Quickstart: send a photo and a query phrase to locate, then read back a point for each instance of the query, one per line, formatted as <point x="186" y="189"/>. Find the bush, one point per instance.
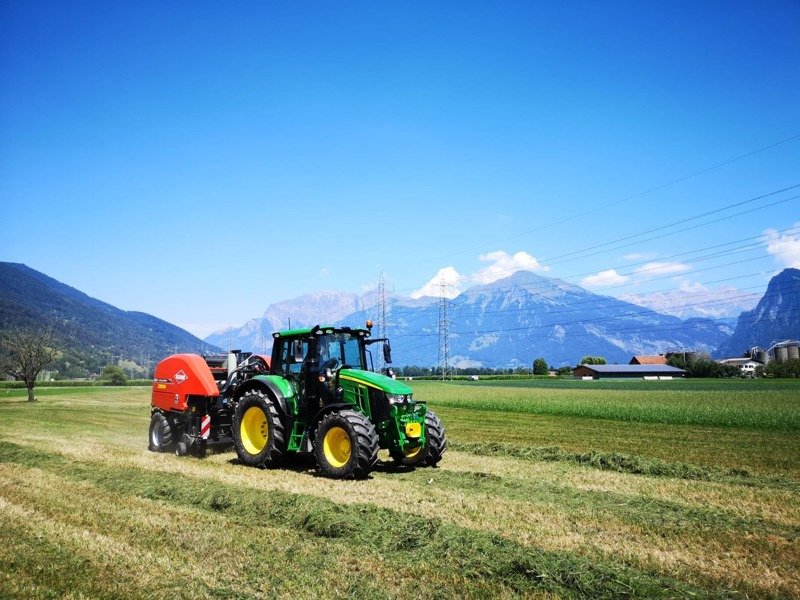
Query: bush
<point x="114" y="375"/>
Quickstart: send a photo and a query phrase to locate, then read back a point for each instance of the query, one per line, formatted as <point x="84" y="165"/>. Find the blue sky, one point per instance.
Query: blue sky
<point x="198" y="161"/>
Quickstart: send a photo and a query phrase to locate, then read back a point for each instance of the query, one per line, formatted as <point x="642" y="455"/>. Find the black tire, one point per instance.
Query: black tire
<point x="201" y="449"/>
<point x="162" y="433"/>
<point x="181" y="449"/>
<point x="346" y="445"/>
<point x="436" y="438"/>
<point x="435" y="445"/>
<point x="258" y="432"/>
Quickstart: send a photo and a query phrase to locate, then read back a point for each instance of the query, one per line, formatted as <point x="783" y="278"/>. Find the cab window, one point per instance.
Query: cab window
<point x="340" y="349"/>
<point x="287" y="364"/>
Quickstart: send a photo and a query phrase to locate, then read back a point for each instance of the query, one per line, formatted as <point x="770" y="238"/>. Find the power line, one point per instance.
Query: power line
<point x="534" y="288"/>
<point x="644" y="311"/>
<point x="591" y="251"/>
<point x="656" y="188"/>
<point x="635" y="329"/>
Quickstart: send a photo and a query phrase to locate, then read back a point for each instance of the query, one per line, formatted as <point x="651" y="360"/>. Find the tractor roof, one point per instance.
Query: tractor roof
<point x="320" y="329"/>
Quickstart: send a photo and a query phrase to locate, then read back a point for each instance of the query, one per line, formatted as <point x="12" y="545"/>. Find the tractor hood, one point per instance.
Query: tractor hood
<point x="376" y="380"/>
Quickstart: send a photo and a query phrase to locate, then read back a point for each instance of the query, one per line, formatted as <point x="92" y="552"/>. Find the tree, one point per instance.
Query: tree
<point x="790" y="368"/>
<point x="540" y="366"/>
<point x="593" y="360"/>
<point x="25" y="352"/>
<point x="114" y="375"/>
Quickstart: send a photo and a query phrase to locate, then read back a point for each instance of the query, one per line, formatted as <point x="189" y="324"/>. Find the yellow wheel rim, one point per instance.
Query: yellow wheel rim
<point x="336" y="446"/>
<point x="413" y="453"/>
<point x="254" y="430"/>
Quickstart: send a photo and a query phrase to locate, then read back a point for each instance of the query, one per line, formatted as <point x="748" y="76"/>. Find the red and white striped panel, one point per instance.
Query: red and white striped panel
<point x="205" y="427"/>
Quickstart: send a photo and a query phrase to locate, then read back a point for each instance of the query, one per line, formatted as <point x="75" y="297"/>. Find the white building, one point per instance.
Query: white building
<point x="746" y="365"/>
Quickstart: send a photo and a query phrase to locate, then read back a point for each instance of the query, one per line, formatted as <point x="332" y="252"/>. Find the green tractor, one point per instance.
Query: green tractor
<point x="321" y="396"/>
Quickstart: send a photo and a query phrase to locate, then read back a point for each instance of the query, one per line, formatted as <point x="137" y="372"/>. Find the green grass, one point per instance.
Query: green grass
<point x="689" y="422"/>
<point x="530" y="503"/>
<point x="406" y="541"/>
<point x="757" y="404"/>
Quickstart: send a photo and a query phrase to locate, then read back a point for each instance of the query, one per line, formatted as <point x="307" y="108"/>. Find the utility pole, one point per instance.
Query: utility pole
<point x="382" y="329"/>
<point x="444" y="333"/>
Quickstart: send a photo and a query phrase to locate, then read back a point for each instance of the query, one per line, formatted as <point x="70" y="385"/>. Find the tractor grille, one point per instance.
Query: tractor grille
<point x="378" y="405"/>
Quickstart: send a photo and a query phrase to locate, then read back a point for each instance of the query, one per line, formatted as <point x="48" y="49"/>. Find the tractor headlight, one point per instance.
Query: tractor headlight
<point x="397" y="398"/>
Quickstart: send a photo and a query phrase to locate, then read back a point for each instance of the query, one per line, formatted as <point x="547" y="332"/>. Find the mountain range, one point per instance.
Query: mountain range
<point x="775" y="318"/>
<point x="93" y="333"/>
<point x="507" y="323"/>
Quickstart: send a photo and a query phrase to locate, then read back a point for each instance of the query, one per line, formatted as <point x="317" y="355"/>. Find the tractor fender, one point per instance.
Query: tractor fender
<point x="311" y="427"/>
<point x="272" y="390"/>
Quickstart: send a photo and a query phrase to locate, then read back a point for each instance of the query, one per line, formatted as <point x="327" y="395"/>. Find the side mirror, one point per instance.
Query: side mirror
<point x="298" y="351"/>
<point x="387" y="353"/>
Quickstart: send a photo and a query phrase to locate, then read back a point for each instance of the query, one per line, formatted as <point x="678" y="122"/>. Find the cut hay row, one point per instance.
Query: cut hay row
<point x="86" y="510"/>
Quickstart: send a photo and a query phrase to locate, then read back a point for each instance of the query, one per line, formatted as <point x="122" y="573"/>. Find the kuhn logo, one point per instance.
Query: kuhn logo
<point x="180" y="377"/>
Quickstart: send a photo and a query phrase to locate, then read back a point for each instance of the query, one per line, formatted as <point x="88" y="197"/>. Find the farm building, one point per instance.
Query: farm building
<point x="746" y="365"/>
<point x="649" y="360"/>
<point x="627" y="371"/>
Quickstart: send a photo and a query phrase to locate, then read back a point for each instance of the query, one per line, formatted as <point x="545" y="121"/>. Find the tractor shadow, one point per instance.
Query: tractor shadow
<point x="298" y="463"/>
<point x="307" y="465"/>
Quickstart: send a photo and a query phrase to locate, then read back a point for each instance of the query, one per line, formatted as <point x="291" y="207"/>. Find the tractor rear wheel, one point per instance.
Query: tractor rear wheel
<point x="258" y="432"/>
<point x="346" y="445"/>
<point x="431" y="453"/>
<point x="162" y="433"/>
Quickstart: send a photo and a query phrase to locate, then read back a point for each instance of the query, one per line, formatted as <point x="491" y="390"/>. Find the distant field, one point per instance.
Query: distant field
<point x="747" y="424"/>
<point x="550" y="489"/>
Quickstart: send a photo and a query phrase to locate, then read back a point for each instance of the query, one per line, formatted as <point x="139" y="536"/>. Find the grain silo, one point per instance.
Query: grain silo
<point x="793" y="351"/>
<point x="781" y="354"/>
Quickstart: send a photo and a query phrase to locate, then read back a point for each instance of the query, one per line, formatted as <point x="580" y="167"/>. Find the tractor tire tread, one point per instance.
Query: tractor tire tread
<point x="164" y="435"/>
<point x="437" y="439"/>
<point x="365" y="445"/>
<point x="276" y="445"/>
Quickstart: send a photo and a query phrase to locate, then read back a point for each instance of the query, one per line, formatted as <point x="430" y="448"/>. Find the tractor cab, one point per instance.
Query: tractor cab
<point x="314" y="357"/>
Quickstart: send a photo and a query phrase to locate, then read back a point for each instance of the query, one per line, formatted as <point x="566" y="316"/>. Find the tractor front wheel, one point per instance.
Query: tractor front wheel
<point x="258" y="432"/>
<point x="431" y="453"/>
<point x="436" y="439"/>
<point x="162" y="433"/>
<point x="346" y="445"/>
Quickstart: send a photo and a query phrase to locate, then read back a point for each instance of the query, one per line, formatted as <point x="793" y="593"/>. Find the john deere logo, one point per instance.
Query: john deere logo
<point x="180" y="376"/>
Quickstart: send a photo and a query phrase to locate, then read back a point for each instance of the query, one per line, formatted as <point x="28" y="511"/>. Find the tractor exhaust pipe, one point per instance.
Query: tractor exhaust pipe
<point x="233" y="355"/>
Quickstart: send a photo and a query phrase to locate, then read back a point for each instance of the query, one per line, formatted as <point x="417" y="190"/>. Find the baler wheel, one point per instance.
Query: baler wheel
<point x="346" y="445"/>
<point x="258" y="432"/>
<point x="162" y="433"/>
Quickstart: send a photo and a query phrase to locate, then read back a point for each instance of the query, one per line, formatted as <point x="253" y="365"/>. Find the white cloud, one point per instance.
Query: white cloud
<point x="504" y="265"/>
<point x="785" y="249"/>
<point x="501" y="265"/>
<point x="447" y="276"/>
<point x="638" y="256"/>
<point x="606" y="278"/>
<point x="653" y="269"/>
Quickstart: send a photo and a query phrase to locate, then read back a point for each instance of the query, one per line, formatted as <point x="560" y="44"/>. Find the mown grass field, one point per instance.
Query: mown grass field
<point x="549" y="489"/>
